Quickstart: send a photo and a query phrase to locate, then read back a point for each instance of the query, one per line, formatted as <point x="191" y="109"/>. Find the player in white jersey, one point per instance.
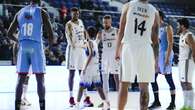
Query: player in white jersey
<point x="75" y="54"/>
<point x="186" y="62"/>
<point x="109" y="65"/>
<point x="138" y="32"/>
<point x="90" y="74"/>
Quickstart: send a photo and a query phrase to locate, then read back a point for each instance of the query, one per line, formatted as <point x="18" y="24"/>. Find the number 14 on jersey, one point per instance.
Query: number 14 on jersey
<point x="139" y="27"/>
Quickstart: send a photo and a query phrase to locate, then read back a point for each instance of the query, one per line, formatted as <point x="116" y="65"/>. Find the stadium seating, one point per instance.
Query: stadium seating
<point x="94" y="18"/>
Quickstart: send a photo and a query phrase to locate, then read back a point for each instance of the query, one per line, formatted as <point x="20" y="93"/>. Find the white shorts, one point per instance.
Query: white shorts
<point x="75" y="58"/>
<point x="109" y="64"/>
<point x="186" y="70"/>
<point x="138" y="60"/>
<point x="91" y="76"/>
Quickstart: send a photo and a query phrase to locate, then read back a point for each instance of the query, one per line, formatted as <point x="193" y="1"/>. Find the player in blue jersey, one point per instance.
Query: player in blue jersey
<point x="29" y="21"/>
<point x="164" y="60"/>
<point x="24" y="100"/>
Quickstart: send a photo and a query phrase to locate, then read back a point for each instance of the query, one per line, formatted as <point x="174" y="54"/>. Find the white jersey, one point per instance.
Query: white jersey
<point x="139" y="21"/>
<point x="109" y="64"/>
<point x="109" y="39"/>
<point x="184" y="50"/>
<point x="91" y="75"/>
<point x="78" y="36"/>
<point x="95" y="55"/>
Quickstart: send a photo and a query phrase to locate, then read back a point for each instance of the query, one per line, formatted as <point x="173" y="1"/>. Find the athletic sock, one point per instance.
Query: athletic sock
<point x="25" y="87"/>
<point x="42" y="104"/>
<point x="17" y="104"/>
<point x="173" y="98"/>
<point x="71" y="94"/>
<point x="85" y="93"/>
<point x="190" y="98"/>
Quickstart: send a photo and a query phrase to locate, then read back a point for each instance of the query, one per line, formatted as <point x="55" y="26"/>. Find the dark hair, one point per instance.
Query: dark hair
<point x="107" y="17"/>
<point x="74" y="9"/>
<point x="184" y="21"/>
<point x="92" y="31"/>
<point x="161" y="14"/>
<point x="36" y="1"/>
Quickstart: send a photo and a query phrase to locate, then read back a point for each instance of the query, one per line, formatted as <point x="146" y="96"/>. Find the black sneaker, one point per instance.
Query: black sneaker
<point x="17" y="104"/>
<point x="155" y="104"/>
<point x="171" y="106"/>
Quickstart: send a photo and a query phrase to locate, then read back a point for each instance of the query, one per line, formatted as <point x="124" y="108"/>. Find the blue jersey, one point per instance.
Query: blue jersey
<point x="163" y="45"/>
<point x="30" y="23"/>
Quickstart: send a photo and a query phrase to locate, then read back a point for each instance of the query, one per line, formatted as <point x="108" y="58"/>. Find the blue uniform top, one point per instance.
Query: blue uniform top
<point x="163" y="43"/>
<point x="163" y="46"/>
<point x="30" y="23"/>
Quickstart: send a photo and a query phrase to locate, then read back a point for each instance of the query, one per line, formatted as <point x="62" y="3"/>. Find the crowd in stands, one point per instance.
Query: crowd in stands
<point x="55" y="55"/>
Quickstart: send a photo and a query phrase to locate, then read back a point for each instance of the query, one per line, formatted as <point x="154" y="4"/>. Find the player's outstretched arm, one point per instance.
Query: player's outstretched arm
<point x="12" y="29"/>
<point x="47" y="26"/>
<point x="121" y="30"/>
<point x="155" y="34"/>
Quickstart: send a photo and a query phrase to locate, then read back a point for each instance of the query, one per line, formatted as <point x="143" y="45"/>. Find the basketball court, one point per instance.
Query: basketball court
<point x="57" y="94"/>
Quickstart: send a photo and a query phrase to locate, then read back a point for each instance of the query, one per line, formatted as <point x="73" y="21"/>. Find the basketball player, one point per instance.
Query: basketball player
<point x="24" y="100"/>
<point x="164" y="62"/>
<point x="29" y="21"/>
<point x="109" y="65"/>
<point x="75" y="55"/>
<point x="139" y="20"/>
<point x="186" y="62"/>
<point x="90" y="74"/>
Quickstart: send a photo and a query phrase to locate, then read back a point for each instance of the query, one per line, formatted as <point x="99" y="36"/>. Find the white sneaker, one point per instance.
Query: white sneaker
<point x="77" y="107"/>
<point x="106" y="106"/>
<point x="25" y="102"/>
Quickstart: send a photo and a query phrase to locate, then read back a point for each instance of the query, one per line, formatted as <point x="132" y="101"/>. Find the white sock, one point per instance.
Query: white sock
<point x="71" y="94"/>
<point x="190" y="97"/>
<point x="104" y="102"/>
<point x="25" y="88"/>
<point x="85" y="93"/>
<point x="105" y="78"/>
<point x="106" y="105"/>
<point x="185" y="97"/>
